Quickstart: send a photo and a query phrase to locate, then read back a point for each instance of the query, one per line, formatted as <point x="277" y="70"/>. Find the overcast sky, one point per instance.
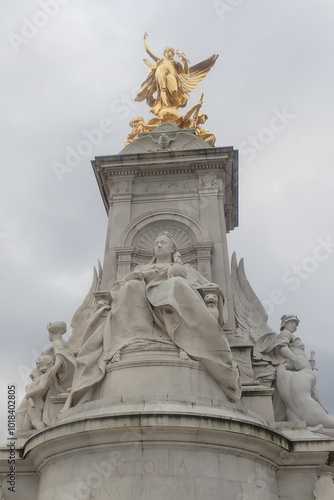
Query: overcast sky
<point x="69" y="64"/>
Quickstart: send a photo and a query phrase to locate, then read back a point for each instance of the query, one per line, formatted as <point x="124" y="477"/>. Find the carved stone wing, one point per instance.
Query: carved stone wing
<point x="324" y="487"/>
<point x="250" y="314"/>
<point x="84" y="312"/>
<point x="189" y="81"/>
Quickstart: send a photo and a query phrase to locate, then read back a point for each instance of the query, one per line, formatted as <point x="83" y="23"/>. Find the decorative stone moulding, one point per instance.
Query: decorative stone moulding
<point x="169" y="172"/>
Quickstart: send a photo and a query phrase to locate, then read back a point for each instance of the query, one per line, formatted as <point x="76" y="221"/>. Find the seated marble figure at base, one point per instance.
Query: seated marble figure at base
<point x="162" y="295"/>
<point x="29" y="414"/>
<point x="281" y="357"/>
<point x="295" y="380"/>
<point x="52" y="376"/>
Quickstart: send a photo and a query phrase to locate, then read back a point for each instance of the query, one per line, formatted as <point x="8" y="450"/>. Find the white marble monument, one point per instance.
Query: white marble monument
<point x="172" y="385"/>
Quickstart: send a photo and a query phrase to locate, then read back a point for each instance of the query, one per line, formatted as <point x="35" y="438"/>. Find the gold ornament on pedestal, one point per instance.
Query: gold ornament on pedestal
<point x="167" y="88"/>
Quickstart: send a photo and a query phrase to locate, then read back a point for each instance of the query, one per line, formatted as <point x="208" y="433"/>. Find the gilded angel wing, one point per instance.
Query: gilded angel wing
<point x="250" y="314"/>
<point x="84" y="312"/>
<point x="189" y="81"/>
<point x="148" y="88"/>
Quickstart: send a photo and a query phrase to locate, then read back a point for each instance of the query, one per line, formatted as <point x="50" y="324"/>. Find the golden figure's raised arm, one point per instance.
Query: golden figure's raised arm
<point x="149" y="52"/>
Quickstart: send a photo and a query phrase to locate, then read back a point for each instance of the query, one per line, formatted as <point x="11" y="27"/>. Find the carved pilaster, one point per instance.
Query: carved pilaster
<point x="124" y="260"/>
<point x="203" y="256"/>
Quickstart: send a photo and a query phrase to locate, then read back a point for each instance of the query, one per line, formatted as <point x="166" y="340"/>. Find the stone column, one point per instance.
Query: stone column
<point x="203" y="256"/>
<point x="124" y="259"/>
<point x="210" y="191"/>
<point x="120" y="198"/>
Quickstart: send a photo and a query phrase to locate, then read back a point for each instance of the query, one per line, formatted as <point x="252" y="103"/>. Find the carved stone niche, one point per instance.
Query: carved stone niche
<point x="193" y="252"/>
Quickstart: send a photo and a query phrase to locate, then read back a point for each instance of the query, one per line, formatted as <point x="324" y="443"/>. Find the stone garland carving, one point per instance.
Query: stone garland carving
<point x="282" y="357"/>
<point x="208" y="180"/>
<point x="162" y="187"/>
<point x="148" y="144"/>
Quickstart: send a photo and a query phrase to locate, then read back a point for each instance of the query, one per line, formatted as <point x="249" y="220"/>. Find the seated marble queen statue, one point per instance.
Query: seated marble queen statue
<point x="161" y="296"/>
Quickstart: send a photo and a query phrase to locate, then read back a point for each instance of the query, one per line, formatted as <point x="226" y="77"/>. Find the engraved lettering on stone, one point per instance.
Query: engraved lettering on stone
<point x="162" y="187"/>
<point x="159" y="467"/>
<point x="177" y="491"/>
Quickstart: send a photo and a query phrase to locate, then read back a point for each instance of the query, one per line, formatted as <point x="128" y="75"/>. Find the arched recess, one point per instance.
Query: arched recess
<point x="190" y="235"/>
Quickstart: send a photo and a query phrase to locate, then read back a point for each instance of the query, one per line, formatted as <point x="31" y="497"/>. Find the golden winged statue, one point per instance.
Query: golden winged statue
<point x="169" y="82"/>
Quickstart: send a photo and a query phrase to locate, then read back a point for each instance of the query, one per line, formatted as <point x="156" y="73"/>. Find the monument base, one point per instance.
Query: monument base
<point x="150" y="370"/>
<point x="170" y="451"/>
<point x="167" y="433"/>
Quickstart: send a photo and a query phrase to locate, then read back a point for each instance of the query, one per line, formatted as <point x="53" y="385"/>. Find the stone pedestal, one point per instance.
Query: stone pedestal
<point x="259" y="399"/>
<point x="160" y="427"/>
<point x="171" y="450"/>
<point x="155" y="371"/>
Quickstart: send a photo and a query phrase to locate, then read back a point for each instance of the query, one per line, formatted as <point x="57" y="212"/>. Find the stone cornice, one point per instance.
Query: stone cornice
<point x="228" y="428"/>
<point x="221" y="161"/>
